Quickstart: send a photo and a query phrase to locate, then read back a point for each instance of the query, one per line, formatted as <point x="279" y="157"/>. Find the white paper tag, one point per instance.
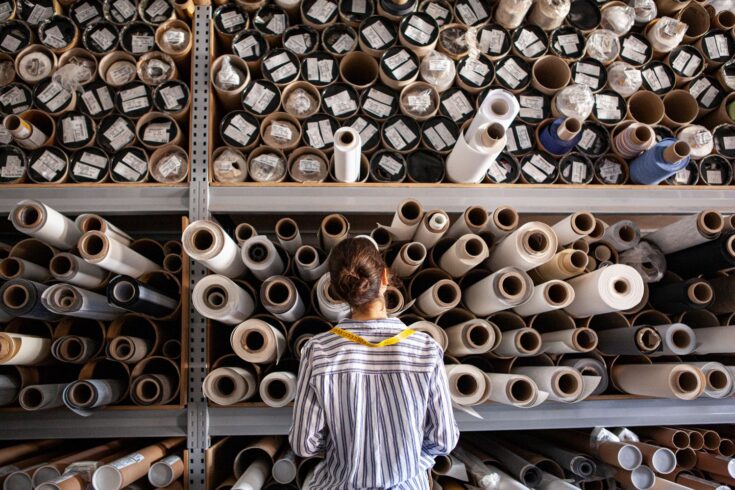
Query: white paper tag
<point x="136" y="163"/>
<point x="588" y="139"/>
<point x="74" y="129"/>
<point x="84" y="170"/>
<point x="157" y="133"/>
<point x="309" y="166"/>
<point x="94" y="160"/>
<point x="714" y="177"/>
<point x="457" y="106"/>
<point x="390" y="164"/>
<point x="104" y="38"/>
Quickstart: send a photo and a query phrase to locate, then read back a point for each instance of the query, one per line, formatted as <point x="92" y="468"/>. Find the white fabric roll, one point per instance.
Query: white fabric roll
<point x="467" y="384"/>
<point x="268" y="342"/>
<point x="409" y="259"/>
<point x="472" y="337"/>
<point x="432" y="303"/>
<point x="80" y="273"/>
<point x="659" y="380"/>
<point x="331" y="308"/>
<point x="432" y="330"/>
<point x="216" y="250"/>
<point x="622" y="235"/>
<point x="507" y="288"/>
<point x="116" y="257"/>
<point x="25" y="270"/>
<point x="279" y="295"/>
<point x="521" y="342"/>
<point x="432" y="228"/>
<point x="464" y="224"/>
<point x="502" y="385"/>
<point x="65" y="299"/>
<point x="466" y="253"/>
<point x="530" y="246"/>
<point x="313" y="269"/>
<point x="40" y="221"/>
<point x="261" y="257"/>
<point x="716" y="371"/>
<point x="105" y="227"/>
<point x="23" y="350"/>
<point x="347" y="155"/>
<point x="219" y="298"/>
<point x="614" y="288"/>
<point x="242" y="380"/>
<point x="51" y="396"/>
<point x="568" y="230"/>
<point x="499" y="106"/>
<point x="284" y="378"/>
<point x="547" y="296"/>
<point x="677" y="340"/>
<point x="468" y="165"/>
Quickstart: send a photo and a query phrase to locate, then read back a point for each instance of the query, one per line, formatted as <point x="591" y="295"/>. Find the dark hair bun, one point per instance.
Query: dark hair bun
<point x="356" y="271"/>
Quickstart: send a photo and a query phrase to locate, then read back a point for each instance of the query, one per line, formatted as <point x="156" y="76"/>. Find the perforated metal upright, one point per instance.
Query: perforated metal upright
<point x="197" y="420"/>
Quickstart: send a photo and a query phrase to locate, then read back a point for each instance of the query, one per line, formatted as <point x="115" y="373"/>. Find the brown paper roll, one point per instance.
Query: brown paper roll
<point x="154" y="381"/>
<point x="550" y="74"/>
<point x="359" y="69"/>
<point x="130" y="468"/>
<point x="680" y="109"/>
<point x="660" y="380"/>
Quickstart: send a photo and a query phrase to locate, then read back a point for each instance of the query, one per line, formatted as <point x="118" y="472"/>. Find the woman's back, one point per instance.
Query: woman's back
<point x="380" y="415"/>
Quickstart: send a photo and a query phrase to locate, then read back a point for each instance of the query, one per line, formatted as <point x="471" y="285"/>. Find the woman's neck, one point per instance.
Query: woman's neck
<point x="372" y="311"/>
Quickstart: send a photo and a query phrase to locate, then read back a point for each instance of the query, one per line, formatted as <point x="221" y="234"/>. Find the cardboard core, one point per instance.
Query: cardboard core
<point x="160" y="475"/>
<point x="71" y="348"/>
<point x="646" y="107"/>
<point x="680" y="439"/>
<point x="536" y="242"/>
<point x="12" y="122"/>
<point x="60" y="265"/>
<point x="696" y="440"/>
<point x="717" y="380"/>
<point x="254" y="341"/>
<point x="215" y="297"/>
<point x="529" y="341"/>
<point x="122" y="347"/>
<point x="642" y="134"/>
<point x="91" y="223"/>
<point x="726" y="18"/>
<point x="16" y="296"/>
<point x="31" y="397"/>
<point x="495" y="131"/>
<point x="359" y="69"/>
<point x="511" y="285"/>
<point x="686" y="457"/>
<point x="473" y="247"/>
<point x="147" y="390"/>
<point x="334" y="226"/>
<point x="10" y="267"/>
<point x="107" y="477"/>
<point x="171" y="349"/>
<point x="556" y="293"/>
<point x="677" y="152"/>
<point x="648" y="339"/>
<point x="499" y="107"/>
<point x="520" y="391"/>
<point x="466" y="384"/>
<point x="586" y="338"/>
<point x="29" y="216"/>
<point x="686" y="382"/>
<point x="446" y="293"/>
<point x="567" y="384"/>
<point x="416" y="252"/>
<point x="506" y="218"/>
<point x="123" y="291"/>
<point x="172" y="262"/>
<point x="478" y="335"/>
<point x="552" y="73"/>
<point x="583" y="223"/>
<point x="93" y="245"/>
<point x="442" y="465"/>
<point x="578" y="259"/>
<point x="697" y="20"/>
<point x="477" y="216"/>
<point x="681" y="338"/>
<point x="621" y="286"/>
<point x="711" y="440"/>
<point x="663" y="461"/>
<point x="244" y="231"/>
<point x="410" y="211"/>
<point x="681" y="107"/>
<point x="258" y="252"/>
<point x="287" y="229"/>
<point x="277" y="389"/>
<point x="225" y="386"/>
<point x="306" y="255"/>
<point x="82" y="394"/>
<point x="626" y="233"/>
<point x="700" y="293"/>
<point x="392" y="298"/>
<point x="712" y="222"/>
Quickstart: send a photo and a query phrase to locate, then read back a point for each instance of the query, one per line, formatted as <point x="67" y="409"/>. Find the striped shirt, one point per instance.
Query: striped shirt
<point x="379" y="415"/>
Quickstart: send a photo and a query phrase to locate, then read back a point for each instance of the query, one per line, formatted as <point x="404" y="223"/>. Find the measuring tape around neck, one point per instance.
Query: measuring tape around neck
<point x="401" y="336"/>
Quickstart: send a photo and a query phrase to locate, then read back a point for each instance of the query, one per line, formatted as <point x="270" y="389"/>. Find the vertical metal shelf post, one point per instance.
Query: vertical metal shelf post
<point x="197" y="416"/>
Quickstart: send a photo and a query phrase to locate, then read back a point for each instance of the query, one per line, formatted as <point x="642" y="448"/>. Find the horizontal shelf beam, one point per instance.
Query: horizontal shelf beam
<point x="378" y="198"/>
<point x="611" y="413"/>
<point x="104" y="199"/>
<point x="62" y="423"/>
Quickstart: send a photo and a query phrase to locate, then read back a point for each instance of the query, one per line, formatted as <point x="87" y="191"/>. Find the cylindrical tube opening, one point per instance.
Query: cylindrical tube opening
<point x="626" y="233"/>
<point x="681" y="338"/>
<point x="578" y="259"/>
<point x="681" y="107"/>
<point x="346" y="138"/>
<point x="537" y="242"/>
<point x="586" y="338"/>
<point x="244" y="232"/>
<point x="29" y="216"/>
<point x="583" y="223"/>
<point x="495" y="131"/>
<point x="359" y="69"/>
<point x="91" y="223"/>
<point x="552" y="73"/>
<point x="254" y="341"/>
<point x="520" y="390"/>
<point x="646" y="107"/>
<point x="10" y="267"/>
<point x="31" y="398"/>
<point x="306" y="255"/>
<point x="16" y="296"/>
<point x="147" y="390"/>
<point x="701" y="293"/>
<point x="224" y="386"/>
<point x="123" y="291"/>
<point x="381" y="236"/>
<point x="712" y="221"/>
<point x="557" y="293"/>
<point x="717" y="379"/>
<point x="474" y="247"/>
<point x="277" y="292"/>
<point x="334" y="226"/>
<point x="60" y="265"/>
<point x="506" y="218"/>
<point x="172" y="262"/>
<point x="696" y="440"/>
<point x="511" y="285"/>
<point x="447" y="293"/>
<point x="416" y="252"/>
<point x="92" y="244"/>
<point x="499" y="107"/>
<point x="478" y="335"/>
<point x="567" y="384"/>
<point x="215" y="297"/>
<point x="686" y="458"/>
<point x="258" y="252"/>
<point x="621" y="286"/>
<point x="81" y="394"/>
<point x="477" y="216"/>
<point x="71" y="348"/>
<point x="287" y="229"/>
<point x="12" y="122"/>
<point x="648" y="339"/>
<point x="410" y="210"/>
<point x="726" y="18"/>
<point x="643" y="133"/>
<point x="603" y="253"/>
<point x="466" y="384"/>
<point x="203" y="240"/>
<point x="277" y="389"/>
<point x="680" y="439"/>
<point x="529" y="341"/>
<point x="686" y="381"/>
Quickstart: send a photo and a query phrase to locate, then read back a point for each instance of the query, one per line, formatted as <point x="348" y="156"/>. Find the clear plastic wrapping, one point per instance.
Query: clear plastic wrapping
<point x="73" y="74"/>
<point x="172" y="166"/>
<point x="418" y="101"/>
<point x="438" y="70"/>
<point x="229" y="76"/>
<point x="603" y="45"/>
<point x="230" y="166"/>
<point x="268" y="167"/>
<point x="645" y="10"/>
<point x="300" y="102"/>
<point x="618" y="18"/>
<point x="156" y="69"/>
<point x="575" y="100"/>
<point x="666" y="34"/>
<point x="510" y="13"/>
<point x="648" y="260"/>
<point x="283" y="132"/>
<point x="624" y="78"/>
<point x="175" y="39"/>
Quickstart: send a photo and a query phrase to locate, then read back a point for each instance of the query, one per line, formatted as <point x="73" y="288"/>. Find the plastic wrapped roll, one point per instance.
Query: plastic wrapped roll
<point x="92" y="222"/>
<point x="22" y="298"/>
<point x="278" y="388"/>
<point x="332" y="308"/>
<point x="647" y="260"/>
<point x="206" y="242"/>
<point x="467" y="384"/>
<point x="548" y="296"/>
<point x="16" y="268"/>
<point x="563" y="265"/>
<point x="680" y="381"/>
<point x="472" y="337"/>
<point x="622" y="235"/>
<point x="126" y="292"/>
<point x="705" y="259"/>
<point x="219" y="298"/>
<point x="257" y="341"/>
<point x="498" y="106"/>
<point x="466" y="253"/>
<point x="347" y="155"/>
<point x="74" y="270"/>
<point x="613" y="288"/>
<point x="687" y="232"/>
<point x="230" y="385"/>
<point x="68" y="300"/>
<point x="261" y="257"/>
<point x="48" y="225"/>
<point x="574" y="227"/>
<point x="469" y="161"/>
<point x="96" y="248"/>
<point x="432" y="228"/>
<point x="530" y="246"/>
<point x="281" y="298"/>
<point x="590" y="367"/>
<point x="506" y="288"/>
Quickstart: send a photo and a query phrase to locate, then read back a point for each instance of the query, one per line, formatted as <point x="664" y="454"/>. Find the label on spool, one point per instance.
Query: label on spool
<point x="244" y="47"/>
<point x="127" y="172"/>
<point x="127" y="461"/>
<point x="457" y="106"/>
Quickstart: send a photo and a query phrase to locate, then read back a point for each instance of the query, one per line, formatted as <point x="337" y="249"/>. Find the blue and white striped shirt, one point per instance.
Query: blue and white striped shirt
<point x="380" y="416"/>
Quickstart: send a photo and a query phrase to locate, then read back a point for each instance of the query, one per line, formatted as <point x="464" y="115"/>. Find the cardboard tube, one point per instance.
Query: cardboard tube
<point x="562" y="383"/>
<point x="432" y="228"/>
<point x="278" y="389"/>
<point x="310" y="263"/>
<point x="408" y="260"/>
<point x="573" y="227"/>
<point x="45" y="223"/>
<point x="117" y="68"/>
<point x="550" y="74"/>
<point x="258" y="341"/>
<point x="96" y="248"/>
<point x="646" y="107"/>
<point x="697" y="19"/>
<point x="155" y="381"/>
<point x="14" y="268"/>
<point x="287" y="232"/>
<point x="333" y="229"/>
<point x="473" y="220"/>
<point x="122" y="472"/>
<point x="281" y="298"/>
<point x="680" y="381"/>
<point x="569" y="341"/>
<point x="41" y="397"/>
<point x="662" y="460"/>
<point x="92" y="222"/>
<point x="549" y="296"/>
<point x="467" y="384"/>
<point x="697" y="483"/>
<point x="48" y="472"/>
<point x="166" y="471"/>
<point x="563" y="265"/>
<point x="671" y="438"/>
<point x="230" y="385"/>
<point x="230" y="98"/>
<point x="25" y="133"/>
<point x="506" y="288"/>
<point x="169" y="39"/>
<point x="716" y="464"/>
<point x="466" y="253"/>
<point x="530" y="246"/>
<point x="503" y="221"/>
<point x="243" y="232"/>
<point x="443" y="295"/>
<point x="680" y="109"/>
<point x="219" y="298"/>
<point x="358" y="69"/>
<point x="641" y="478"/>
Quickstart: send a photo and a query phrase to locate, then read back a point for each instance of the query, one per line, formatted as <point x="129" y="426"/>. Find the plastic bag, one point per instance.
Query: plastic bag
<point x="624" y="78"/>
<point x="648" y="260"/>
<point x="300" y="102"/>
<point x="72" y="75"/>
<point x="618" y="18"/>
<point x="603" y="45"/>
<point x="268" y="167"/>
<point x="418" y="101"/>
<point x="230" y="166"/>
<point x="575" y="100"/>
<point x="171" y="167"/>
<point x="156" y="69"/>
<point x="438" y="69"/>
<point x="229" y="76"/>
<point x="645" y="10"/>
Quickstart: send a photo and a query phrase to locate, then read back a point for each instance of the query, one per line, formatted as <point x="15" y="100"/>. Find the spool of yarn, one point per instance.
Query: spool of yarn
<point x="562" y="135"/>
<point x="660" y="162"/>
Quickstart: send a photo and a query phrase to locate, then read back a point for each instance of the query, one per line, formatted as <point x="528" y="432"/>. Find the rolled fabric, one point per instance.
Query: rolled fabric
<point x="84" y="395"/>
<point x="432" y="330"/>
<point x="96" y="248"/>
<point x="432" y="228"/>
<point x="660" y="162"/>
<point x="258" y="341"/>
<point x="688" y="232"/>
<point x="230" y="385"/>
<point x="622" y="235"/>
<point x="467" y="384"/>
<point x="333" y="229"/>
<point x="473" y="220"/>
<point x="469" y="163"/>
<point x="521" y="342"/>
<point x="206" y="242"/>
<point x="681" y="381"/>
<point x="279" y="295"/>
<point x="682" y="296"/>
<point x="92" y="222"/>
<point x="573" y="227"/>
<point x="530" y="246"/>
<point x="614" y="288"/>
<point x="569" y="341"/>
<point x="590" y="366"/>
<point x="38" y="220"/>
<point x="718" y="379"/>
<point x="219" y="298"/>
<point x="563" y="384"/>
<point x="498" y="106"/>
<point x="347" y="154"/>
<point x="515" y="390"/>
<point x="69" y="268"/>
<point x="548" y="296"/>
<point x="255" y="475"/>
<point x="703" y="259"/>
<point x="126" y="470"/>
<point x="287" y="232"/>
<point x="466" y="253"/>
<point x="309" y="263"/>
<point x="285" y="468"/>
<point x="22" y="298"/>
<point x="472" y="337"/>
<point x="131" y="294"/>
<point x="65" y="299"/>
<point x="23" y="350"/>
<point x="629" y="341"/>
<point x="278" y="388"/>
<point x="503" y="221"/>
<point x="507" y="288"/>
<point x="262" y="258"/>
<point x="724" y="301"/>
<point x="677" y="339"/>
<point x="563" y="265"/>
<point x="406" y="220"/>
<point x="331" y="307"/>
<point x="42" y="397"/>
<point x="438" y="298"/>
<point x="17" y="268"/>
<point x="408" y="260"/>
<point x="715" y="340"/>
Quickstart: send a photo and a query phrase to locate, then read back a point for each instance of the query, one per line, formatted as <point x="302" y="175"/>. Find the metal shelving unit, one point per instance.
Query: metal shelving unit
<point x="199" y="422"/>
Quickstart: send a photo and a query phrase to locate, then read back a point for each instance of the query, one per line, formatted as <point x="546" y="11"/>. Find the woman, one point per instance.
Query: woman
<point x="372" y="395"/>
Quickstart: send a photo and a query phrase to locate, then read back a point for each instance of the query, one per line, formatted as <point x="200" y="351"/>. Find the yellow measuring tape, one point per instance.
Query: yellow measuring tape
<point x="403" y="335"/>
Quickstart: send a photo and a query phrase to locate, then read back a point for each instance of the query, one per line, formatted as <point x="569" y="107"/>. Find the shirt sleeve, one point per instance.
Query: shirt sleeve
<point x="308" y="430"/>
<point x="440" y="430"/>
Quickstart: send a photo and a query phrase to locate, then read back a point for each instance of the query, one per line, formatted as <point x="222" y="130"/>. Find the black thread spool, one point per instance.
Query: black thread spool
<point x="681" y="296"/>
<point x="704" y="259"/>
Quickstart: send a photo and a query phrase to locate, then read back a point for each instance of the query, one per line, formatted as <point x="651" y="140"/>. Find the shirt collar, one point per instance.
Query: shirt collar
<point x="370" y="324"/>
